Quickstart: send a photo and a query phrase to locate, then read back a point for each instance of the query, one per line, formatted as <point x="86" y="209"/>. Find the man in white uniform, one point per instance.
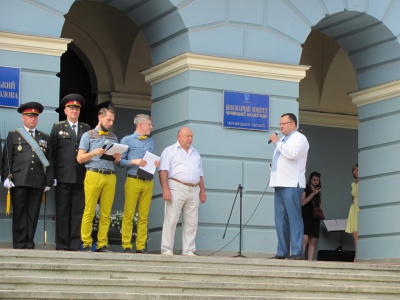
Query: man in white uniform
<point x="181" y="178"/>
<point x="288" y="179"/>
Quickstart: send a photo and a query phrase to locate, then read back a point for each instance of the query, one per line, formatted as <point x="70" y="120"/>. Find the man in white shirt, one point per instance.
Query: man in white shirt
<point x="181" y="178"/>
<point x="288" y="178"/>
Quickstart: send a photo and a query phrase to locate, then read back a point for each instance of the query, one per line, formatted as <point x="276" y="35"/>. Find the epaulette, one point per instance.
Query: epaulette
<point x="42" y="133"/>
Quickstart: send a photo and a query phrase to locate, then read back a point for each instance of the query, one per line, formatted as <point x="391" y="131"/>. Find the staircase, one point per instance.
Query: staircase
<point x="41" y="274"/>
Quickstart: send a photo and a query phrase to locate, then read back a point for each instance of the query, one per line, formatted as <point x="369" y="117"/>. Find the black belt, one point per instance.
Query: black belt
<point x="136" y="177"/>
<point x="101" y="171"/>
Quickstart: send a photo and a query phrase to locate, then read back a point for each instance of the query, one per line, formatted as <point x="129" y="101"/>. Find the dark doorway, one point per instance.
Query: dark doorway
<point x="74" y="78"/>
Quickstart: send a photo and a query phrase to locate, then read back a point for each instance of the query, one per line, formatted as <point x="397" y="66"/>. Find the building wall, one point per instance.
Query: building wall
<point x="267" y="31"/>
<point x="379" y="223"/>
<point x="38" y="82"/>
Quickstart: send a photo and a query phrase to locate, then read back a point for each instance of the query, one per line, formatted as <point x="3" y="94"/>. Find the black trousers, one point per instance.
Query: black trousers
<point x="70" y="203"/>
<point x="26" y="203"/>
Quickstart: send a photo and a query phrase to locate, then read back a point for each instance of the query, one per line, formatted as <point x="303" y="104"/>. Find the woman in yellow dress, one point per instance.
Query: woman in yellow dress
<point x="352" y="220"/>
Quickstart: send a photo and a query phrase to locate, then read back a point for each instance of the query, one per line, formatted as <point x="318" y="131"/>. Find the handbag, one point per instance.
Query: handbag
<point x="318" y="213"/>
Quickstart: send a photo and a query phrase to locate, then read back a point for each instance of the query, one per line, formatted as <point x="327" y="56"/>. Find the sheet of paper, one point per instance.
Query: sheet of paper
<point x="116" y="148"/>
<point x="331" y="225"/>
<point x="335" y="225"/>
<point x="342" y="223"/>
<point x="150" y="158"/>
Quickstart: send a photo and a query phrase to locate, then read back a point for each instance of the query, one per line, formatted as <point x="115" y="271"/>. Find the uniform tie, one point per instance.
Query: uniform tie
<point x="142" y="137"/>
<point x="73" y="128"/>
<point x="31" y="133"/>
<point x="103" y="132"/>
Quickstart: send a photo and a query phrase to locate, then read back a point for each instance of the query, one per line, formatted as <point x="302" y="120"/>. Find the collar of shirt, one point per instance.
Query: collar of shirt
<point x="98" y="131"/>
<point x="287" y="136"/>
<point x="136" y="135"/>
<point x="70" y="123"/>
<point x="27" y="130"/>
<point x="178" y="146"/>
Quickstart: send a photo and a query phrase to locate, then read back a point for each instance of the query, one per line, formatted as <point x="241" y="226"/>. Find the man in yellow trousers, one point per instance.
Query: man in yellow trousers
<point x="100" y="179"/>
<point x="138" y="184"/>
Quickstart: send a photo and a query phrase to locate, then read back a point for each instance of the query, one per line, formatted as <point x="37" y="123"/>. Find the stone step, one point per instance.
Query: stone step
<point x="116" y="259"/>
<point x="78" y="275"/>
<point x="114" y="285"/>
<point x="132" y="270"/>
<point x="45" y="295"/>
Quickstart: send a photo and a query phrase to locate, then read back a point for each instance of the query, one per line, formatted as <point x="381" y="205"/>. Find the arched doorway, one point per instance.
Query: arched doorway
<point x="75" y="78"/>
<point x="103" y="62"/>
<point x="113" y="53"/>
<point x="329" y="120"/>
<point x="370" y="51"/>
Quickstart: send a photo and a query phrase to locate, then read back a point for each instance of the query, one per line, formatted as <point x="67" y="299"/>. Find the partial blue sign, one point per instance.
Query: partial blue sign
<point x="246" y="111"/>
<point x="9" y="86"/>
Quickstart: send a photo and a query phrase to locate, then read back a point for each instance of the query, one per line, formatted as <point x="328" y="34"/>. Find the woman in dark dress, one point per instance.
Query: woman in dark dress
<point x="311" y="197"/>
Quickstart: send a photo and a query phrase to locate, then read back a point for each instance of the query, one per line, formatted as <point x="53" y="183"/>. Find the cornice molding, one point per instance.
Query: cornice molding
<point x="376" y="93"/>
<point x="33" y="44"/>
<point x="132" y="101"/>
<point x="214" y="64"/>
<point x="328" y="120"/>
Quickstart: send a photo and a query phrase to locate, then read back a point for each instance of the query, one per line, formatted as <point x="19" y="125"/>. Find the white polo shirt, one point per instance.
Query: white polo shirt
<point x="181" y="165"/>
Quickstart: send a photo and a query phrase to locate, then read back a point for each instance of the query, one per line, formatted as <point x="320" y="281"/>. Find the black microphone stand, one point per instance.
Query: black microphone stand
<point x="240" y="232"/>
<point x="240" y="188"/>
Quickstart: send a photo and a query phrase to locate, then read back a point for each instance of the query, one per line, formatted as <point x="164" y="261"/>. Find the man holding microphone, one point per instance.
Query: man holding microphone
<point x="288" y="178"/>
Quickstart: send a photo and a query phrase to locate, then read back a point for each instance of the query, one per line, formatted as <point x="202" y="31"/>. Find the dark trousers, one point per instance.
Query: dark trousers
<point x="26" y="203"/>
<point x="70" y="203"/>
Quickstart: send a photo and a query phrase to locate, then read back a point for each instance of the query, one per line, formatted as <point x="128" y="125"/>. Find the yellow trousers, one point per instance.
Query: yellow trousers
<point x="137" y="193"/>
<point x="103" y="186"/>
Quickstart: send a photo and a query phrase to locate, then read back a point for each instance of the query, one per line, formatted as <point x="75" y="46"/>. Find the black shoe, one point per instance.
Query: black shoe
<point x="103" y="249"/>
<point x="277" y="257"/>
<point x="296" y="257"/>
<point x="143" y="251"/>
<point x="87" y="249"/>
<point x="127" y="250"/>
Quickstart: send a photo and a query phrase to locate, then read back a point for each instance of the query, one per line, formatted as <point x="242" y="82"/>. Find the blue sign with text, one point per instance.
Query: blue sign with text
<point x="9" y="86"/>
<point x="246" y="111"/>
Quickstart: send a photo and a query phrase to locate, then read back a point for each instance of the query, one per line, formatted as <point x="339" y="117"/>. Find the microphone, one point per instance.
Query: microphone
<point x="269" y="141"/>
<point x="106" y="142"/>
